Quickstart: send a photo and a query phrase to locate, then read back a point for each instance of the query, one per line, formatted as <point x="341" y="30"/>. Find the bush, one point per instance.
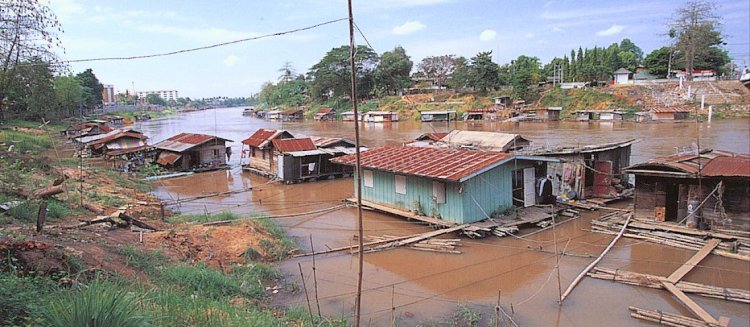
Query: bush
<point x="202" y="281"/>
<point x="99" y="304"/>
<point x="20" y="299"/>
<point x="147" y="261"/>
<point x="28" y="211"/>
<point x="199" y="218"/>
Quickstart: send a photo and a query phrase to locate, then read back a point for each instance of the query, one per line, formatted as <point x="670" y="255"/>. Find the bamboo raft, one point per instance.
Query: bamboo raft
<point x="652" y="281"/>
<point x="733" y="245"/>
<point x="441" y="245"/>
<point x="669" y="319"/>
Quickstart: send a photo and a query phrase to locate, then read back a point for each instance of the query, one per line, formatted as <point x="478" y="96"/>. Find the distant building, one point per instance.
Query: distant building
<point x="622" y="76"/>
<point x="164" y="94"/>
<point x="108" y="95"/>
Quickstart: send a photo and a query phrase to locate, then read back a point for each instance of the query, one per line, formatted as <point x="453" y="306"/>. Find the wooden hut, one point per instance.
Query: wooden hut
<point x="193" y="152"/>
<point x="669" y="113"/>
<point x="292" y="114"/>
<point x="458" y="186"/>
<point x="380" y="116"/>
<point x="300" y="160"/>
<point x="439" y="115"/>
<point x="549" y="113"/>
<point x="484" y="141"/>
<point x="273" y="115"/>
<point x="710" y="188"/>
<point x="325" y="114"/>
<point x="616" y="115"/>
<point x="260" y="152"/>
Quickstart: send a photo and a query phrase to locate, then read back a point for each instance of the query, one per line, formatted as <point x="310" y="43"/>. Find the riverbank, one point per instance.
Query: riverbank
<point x="108" y="249"/>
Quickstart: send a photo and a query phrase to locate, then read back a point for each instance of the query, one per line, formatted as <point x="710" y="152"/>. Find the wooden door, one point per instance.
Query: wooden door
<point x="529" y="187"/>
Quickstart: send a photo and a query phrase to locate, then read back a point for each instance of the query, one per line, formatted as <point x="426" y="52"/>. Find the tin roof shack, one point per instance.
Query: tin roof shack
<point x="261" y="155"/>
<point x="485" y="141"/>
<point x="549" y="113"/>
<point x="642" y="117"/>
<point x="293" y="114"/>
<point x="622" y="76"/>
<point x="591" y="171"/>
<point x="669" y="113"/>
<point x="444" y="115"/>
<point x="717" y="192"/>
<point x="586" y="115"/>
<point x="380" y="116"/>
<point x="490" y="114"/>
<point x="459" y="186"/>
<point x="273" y="115"/>
<point x="117" y="142"/>
<point x="301" y="160"/>
<point x="610" y="115"/>
<point x="324" y="114"/>
<point x="349" y="116"/>
<point x="85" y="129"/>
<point x="193" y="152"/>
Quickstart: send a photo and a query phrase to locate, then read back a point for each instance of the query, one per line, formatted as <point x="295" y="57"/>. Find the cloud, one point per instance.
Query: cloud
<point x="557" y="29"/>
<point x="408" y="27"/>
<point x="487" y="35"/>
<point x="211" y="34"/>
<point x="231" y="60"/>
<point x="614" y="30"/>
<point x="529" y="35"/>
<point x="66" y="9"/>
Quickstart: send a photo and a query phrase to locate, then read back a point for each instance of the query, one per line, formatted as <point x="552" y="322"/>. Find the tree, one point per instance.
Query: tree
<point x="525" y="74"/>
<point x="629" y="46"/>
<point x="331" y="76"/>
<point x="438" y="68"/>
<point x="155" y="99"/>
<point x="462" y="75"/>
<point x="28" y="33"/>
<point x="92" y="95"/>
<point x="695" y="29"/>
<point x="32" y="94"/>
<point x="485" y="74"/>
<point x="393" y="71"/>
<point x="287" y="72"/>
<point x="68" y="94"/>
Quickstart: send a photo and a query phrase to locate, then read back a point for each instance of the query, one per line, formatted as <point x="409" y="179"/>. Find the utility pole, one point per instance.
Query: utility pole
<point x="360" y="252"/>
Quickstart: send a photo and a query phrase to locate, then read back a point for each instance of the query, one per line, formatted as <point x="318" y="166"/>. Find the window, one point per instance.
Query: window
<point x="438" y="192"/>
<point x="216" y="153"/>
<point x="367" y="179"/>
<point x="400" y="184"/>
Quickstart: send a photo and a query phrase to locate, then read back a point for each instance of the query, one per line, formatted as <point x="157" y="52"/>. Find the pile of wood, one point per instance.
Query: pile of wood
<point x="666" y="318"/>
<point x="652" y="281"/>
<point x="731" y="246"/>
<point x="442" y="245"/>
<point x="504" y="231"/>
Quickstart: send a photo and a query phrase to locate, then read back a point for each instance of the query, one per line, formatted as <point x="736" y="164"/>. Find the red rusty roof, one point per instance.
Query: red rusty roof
<point x="727" y="166"/>
<point x="446" y="164"/>
<point x="168" y="158"/>
<point x="262" y="137"/>
<point x="324" y="111"/>
<point x="121" y="134"/>
<point x="431" y="136"/>
<point x="185" y="141"/>
<point x="292" y="145"/>
<point x="713" y="163"/>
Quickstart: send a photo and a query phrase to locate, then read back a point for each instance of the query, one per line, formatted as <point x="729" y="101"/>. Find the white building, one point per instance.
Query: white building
<point x="164" y="94"/>
<point x="108" y="95"/>
<point x="622" y="76"/>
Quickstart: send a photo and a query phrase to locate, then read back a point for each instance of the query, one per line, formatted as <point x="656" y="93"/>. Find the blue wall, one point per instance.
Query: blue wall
<point x="492" y="190"/>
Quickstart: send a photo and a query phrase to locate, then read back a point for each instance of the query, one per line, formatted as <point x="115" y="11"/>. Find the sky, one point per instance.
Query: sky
<point x="545" y="29"/>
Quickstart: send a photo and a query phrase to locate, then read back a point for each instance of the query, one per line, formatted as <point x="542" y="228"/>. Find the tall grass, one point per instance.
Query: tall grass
<point x="147" y="261"/>
<point x="24" y="142"/>
<point x="200" y="218"/>
<point x="98" y="304"/>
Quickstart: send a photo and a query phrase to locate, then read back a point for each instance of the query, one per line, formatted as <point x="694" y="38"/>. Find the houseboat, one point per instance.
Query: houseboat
<point x="380" y="116"/>
<point x="193" y="152"/>
<point x="324" y="114"/>
<point x="444" y="115"/>
<point x="260" y="153"/>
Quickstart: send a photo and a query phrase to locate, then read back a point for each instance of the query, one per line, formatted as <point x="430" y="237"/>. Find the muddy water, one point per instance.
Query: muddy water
<point x="431" y="286"/>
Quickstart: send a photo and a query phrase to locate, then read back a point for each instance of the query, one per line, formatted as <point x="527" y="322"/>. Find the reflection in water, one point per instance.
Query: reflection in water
<point x="426" y="285"/>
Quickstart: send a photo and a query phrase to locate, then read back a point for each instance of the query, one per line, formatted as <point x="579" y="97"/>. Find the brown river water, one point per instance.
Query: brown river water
<point x="425" y="286"/>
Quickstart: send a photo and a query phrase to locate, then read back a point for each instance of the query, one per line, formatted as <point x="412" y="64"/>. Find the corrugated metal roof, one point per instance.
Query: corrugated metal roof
<point x="487" y="141"/>
<point x="728" y="164"/>
<point x="431" y="136"/>
<point x="262" y="137"/>
<point x="324" y="111"/>
<point x="669" y="109"/>
<point x="444" y="164"/>
<point x="438" y="112"/>
<point x="168" y="158"/>
<point x="185" y="141"/>
<point x="622" y="71"/>
<point x="291" y="145"/>
<point x="292" y="112"/>
<point x="118" y="135"/>
<point x="324" y="142"/>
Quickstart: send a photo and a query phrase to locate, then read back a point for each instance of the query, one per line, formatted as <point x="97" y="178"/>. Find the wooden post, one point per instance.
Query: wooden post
<point x="557" y="258"/>
<point x="309" y="308"/>
<point x="315" y="277"/>
<point x="41" y="216"/>
<point x="161" y="210"/>
<point x="393" y="305"/>
<point x="497" y="310"/>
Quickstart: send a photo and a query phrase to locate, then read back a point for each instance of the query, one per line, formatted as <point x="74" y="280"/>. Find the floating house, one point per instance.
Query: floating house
<point x="250" y="111"/>
<point x="710" y="189"/>
<point x="292" y="114"/>
<point x="642" y="117"/>
<point x="586" y="115"/>
<point x="484" y="141"/>
<point x="273" y="115"/>
<point x="193" y="152"/>
<point x="380" y="116"/>
<point x="444" y="115"/>
<point x="549" y="113"/>
<point x="590" y="171"/>
<point x="481" y="114"/>
<point x="459" y="186"/>
<point x="85" y="129"/>
<point x="325" y="114"/>
<point x="301" y="160"/>
<point x="349" y="116"/>
<point x="616" y="115"/>
<point x="261" y="153"/>
<point x="115" y="143"/>
<point x="622" y="76"/>
<point x="669" y="113"/>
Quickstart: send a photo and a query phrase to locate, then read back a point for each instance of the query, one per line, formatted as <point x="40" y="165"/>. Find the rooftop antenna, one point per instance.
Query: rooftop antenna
<point x="360" y="239"/>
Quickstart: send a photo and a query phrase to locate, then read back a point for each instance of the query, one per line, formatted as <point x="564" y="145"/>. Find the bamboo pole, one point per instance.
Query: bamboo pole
<point x="596" y="261"/>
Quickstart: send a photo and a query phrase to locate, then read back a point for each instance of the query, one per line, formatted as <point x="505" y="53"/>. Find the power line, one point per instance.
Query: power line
<point x="364" y="37"/>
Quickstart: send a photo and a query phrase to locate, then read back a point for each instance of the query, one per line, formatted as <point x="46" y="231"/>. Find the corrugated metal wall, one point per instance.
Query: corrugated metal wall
<point x="418" y="194"/>
<point x="490" y="192"/>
